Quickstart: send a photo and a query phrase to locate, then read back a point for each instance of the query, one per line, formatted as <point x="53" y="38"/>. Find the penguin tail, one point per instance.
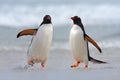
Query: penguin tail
<point x="96" y="61"/>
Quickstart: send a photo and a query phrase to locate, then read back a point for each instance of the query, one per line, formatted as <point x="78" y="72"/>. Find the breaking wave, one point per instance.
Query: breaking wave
<point x="28" y="15"/>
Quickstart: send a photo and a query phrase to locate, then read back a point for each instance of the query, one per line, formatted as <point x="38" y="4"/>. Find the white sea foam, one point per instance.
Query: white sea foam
<point x="110" y="44"/>
<point x="21" y="15"/>
<point x="14" y="48"/>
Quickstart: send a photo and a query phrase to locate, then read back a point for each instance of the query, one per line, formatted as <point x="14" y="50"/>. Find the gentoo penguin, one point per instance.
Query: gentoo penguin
<point x="79" y="44"/>
<point x="41" y="41"/>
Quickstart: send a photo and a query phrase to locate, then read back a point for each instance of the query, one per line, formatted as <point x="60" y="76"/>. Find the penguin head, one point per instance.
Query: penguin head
<point x="76" y="19"/>
<point x="47" y="19"/>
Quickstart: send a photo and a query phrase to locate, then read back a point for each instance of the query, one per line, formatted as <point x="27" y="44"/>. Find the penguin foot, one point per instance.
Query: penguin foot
<point x="86" y="66"/>
<point x="30" y="63"/>
<point x="43" y="65"/>
<point x="75" y="64"/>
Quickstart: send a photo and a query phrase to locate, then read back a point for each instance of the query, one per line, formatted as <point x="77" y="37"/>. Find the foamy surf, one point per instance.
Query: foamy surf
<point x="28" y="15"/>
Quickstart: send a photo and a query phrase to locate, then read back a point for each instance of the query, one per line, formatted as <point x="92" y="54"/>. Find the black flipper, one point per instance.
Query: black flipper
<point x="88" y="38"/>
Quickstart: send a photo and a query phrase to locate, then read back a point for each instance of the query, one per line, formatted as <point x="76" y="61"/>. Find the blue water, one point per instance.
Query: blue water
<point x="100" y="18"/>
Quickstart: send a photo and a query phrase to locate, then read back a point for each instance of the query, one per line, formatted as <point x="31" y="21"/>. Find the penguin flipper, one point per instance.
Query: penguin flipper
<point x="27" y="32"/>
<point x="88" y="38"/>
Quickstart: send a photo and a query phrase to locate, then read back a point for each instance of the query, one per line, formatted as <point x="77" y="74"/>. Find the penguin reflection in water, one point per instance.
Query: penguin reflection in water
<point x="79" y="44"/>
<point x="41" y="41"/>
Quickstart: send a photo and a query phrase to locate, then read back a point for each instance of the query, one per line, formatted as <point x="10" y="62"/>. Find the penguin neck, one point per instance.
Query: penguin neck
<point x="46" y="22"/>
<point x="80" y="25"/>
<point x="46" y="25"/>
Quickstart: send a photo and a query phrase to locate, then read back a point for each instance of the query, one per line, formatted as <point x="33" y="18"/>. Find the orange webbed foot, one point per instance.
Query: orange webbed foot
<point x="86" y="66"/>
<point x="30" y="63"/>
<point x="43" y="65"/>
<point x="75" y="64"/>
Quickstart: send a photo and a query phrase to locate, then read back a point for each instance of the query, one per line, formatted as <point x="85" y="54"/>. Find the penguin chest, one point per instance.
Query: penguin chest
<point x="41" y="42"/>
<point x="78" y="44"/>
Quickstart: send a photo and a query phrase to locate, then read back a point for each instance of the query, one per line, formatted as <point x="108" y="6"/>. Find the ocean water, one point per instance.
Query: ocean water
<point x="30" y="13"/>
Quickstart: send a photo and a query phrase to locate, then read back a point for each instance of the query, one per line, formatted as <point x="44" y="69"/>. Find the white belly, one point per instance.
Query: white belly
<point x="41" y="43"/>
<point x="78" y="44"/>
